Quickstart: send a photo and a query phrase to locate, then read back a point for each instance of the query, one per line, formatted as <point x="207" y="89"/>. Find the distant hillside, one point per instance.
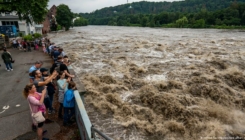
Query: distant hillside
<point x="143" y="7"/>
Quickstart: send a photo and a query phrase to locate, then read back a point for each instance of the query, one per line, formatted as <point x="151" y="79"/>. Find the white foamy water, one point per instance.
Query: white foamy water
<point x="155" y="78"/>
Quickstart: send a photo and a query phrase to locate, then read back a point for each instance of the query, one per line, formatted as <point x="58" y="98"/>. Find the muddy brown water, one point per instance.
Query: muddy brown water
<point x="150" y="83"/>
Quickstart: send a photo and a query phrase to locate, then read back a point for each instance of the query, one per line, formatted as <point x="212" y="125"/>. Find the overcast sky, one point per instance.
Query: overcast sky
<point x="83" y="6"/>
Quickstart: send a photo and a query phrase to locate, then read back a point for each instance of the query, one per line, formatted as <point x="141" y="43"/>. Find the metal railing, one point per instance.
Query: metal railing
<point x="87" y="131"/>
<point x="101" y="135"/>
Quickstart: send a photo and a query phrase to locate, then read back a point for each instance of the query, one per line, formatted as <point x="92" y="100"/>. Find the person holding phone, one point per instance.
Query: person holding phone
<point x="40" y="83"/>
<point x="35" y="100"/>
<point x="63" y="85"/>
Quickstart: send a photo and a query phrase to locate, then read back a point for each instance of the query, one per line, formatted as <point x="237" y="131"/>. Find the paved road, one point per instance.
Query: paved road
<point x="15" y="118"/>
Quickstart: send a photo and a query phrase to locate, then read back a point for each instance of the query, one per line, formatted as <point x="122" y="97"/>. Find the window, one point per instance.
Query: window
<point x="16" y="24"/>
<point x="3" y="22"/>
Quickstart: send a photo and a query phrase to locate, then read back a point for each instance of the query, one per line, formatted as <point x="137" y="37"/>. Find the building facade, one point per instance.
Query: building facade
<point x="47" y="22"/>
<point x="21" y="26"/>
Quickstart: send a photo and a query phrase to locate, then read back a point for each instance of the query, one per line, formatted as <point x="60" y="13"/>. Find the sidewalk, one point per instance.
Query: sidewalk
<point x="15" y="119"/>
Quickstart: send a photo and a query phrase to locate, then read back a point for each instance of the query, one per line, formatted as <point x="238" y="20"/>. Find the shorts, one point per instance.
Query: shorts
<point x="39" y="125"/>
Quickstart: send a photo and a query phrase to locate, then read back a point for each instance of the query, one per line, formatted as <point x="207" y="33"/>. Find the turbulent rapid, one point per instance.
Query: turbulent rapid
<point x="155" y="83"/>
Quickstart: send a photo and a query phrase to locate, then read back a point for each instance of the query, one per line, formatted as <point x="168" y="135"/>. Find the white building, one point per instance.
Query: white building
<point x="22" y="27"/>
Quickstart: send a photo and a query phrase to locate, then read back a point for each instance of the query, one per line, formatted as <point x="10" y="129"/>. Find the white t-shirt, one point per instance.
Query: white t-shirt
<point x="14" y="42"/>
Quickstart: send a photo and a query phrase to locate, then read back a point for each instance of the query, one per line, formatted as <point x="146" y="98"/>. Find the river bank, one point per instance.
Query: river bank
<point x="241" y="28"/>
<point x="147" y="83"/>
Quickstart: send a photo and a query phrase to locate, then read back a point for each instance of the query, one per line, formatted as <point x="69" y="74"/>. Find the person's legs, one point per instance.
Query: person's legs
<point x="47" y="103"/>
<point x="47" y="49"/>
<point x="34" y="127"/>
<point x="66" y="113"/>
<point x="51" y="109"/>
<point x="40" y="131"/>
<point x="60" y="110"/>
<point x="51" y="97"/>
<point x="10" y="65"/>
<point x="72" y="113"/>
<point x="7" y="66"/>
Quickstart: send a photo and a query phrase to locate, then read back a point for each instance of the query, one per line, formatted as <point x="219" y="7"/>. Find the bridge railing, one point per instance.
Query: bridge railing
<point x="86" y="129"/>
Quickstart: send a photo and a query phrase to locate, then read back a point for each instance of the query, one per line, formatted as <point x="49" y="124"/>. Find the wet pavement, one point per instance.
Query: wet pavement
<point x="15" y="119"/>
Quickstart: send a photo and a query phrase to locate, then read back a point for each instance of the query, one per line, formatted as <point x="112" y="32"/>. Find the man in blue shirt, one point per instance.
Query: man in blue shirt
<point x="55" y="54"/>
<point x="36" y="66"/>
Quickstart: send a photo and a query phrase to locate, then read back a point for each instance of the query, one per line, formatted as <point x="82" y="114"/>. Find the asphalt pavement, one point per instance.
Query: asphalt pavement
<point x="15" y="119"/>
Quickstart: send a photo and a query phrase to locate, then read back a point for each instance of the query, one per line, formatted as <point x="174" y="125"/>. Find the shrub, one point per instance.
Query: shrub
<point x="20" y="34"/>
<point x="59" y="27"/>
<point x="28" y="37"/>
<point x="37" y="35"/>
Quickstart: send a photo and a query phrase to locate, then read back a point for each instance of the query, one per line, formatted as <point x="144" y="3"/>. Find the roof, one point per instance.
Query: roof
<point x="7" y="16"/>
<point x="53" y="7"/>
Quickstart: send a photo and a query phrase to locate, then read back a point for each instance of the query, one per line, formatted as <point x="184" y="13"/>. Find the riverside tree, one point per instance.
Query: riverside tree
<point x="80" y="22"/>
<point x="64" y="16"/>
<point x="29" y="10"/>
<point x="181" y="22"/>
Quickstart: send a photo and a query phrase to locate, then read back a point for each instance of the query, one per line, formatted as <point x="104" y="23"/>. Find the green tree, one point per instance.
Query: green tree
<point x="199" y="23"/>
<point x="64" y="16"/>
<point x="218" y="21"/>
<point x="181" y="22"/>
<point x="152" y="23"/>
<point x="80" y="22"/>
<point x="143" y="21"/>
<point x="29" y="10"/>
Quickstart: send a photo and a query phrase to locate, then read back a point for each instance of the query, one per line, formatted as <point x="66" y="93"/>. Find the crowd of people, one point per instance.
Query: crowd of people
<point x="45" y="83"/>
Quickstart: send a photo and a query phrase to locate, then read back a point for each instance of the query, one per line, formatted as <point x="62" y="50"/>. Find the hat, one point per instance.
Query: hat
<point x="43" y="70"/>
<point x="38" y="62"/>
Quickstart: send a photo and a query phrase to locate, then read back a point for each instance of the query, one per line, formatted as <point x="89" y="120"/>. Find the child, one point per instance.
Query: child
<point x="69" y="103"/>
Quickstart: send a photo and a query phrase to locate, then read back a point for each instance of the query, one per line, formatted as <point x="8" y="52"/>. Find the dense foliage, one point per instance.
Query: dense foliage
<point x="64" y="16"/>
<point x="234" y="15"/>
<point x="143" y="7"/>
<point x="81" y="22"/>
<point x="37" y="35"/>
<point x="32" y="37"/>
<point x="29" y="10"/>
<point x="28" y="37"/>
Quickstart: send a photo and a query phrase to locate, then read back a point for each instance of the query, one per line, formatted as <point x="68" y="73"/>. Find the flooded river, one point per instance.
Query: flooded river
<point x="154" y="84"/>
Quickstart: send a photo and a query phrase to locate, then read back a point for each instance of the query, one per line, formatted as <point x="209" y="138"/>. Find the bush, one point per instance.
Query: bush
<point x="28" y="37"/>
<point x="37" y="35"/>
<point x="81" y="22"/>
<point x="59" y="27"/>
<point x="20" y="34"/>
